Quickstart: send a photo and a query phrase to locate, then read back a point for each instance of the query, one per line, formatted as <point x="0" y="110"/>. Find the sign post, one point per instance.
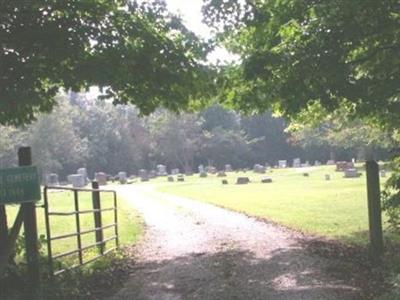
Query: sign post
<point x="374" y="209"/>
<point x="21" y="185"/>
<point x="30" y="222"/>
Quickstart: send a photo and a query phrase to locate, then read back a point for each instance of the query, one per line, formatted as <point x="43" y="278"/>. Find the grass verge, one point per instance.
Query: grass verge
<point x="335" y="209"/>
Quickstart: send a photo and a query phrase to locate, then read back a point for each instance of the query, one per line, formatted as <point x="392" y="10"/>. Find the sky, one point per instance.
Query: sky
<point x="190" y="12"/>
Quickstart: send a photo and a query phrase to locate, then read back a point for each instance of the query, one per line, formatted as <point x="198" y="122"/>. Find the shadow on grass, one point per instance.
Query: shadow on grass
<point x="361" y="238"/>
<point x="292" y="273"/>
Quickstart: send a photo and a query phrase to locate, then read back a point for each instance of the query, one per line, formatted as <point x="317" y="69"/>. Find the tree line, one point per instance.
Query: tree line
<point x="84" y="132"/>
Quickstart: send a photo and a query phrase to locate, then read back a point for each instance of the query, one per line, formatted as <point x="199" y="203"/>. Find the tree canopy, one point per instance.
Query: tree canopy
<point x="135" y="51"/>
<point x="296" y="53"/>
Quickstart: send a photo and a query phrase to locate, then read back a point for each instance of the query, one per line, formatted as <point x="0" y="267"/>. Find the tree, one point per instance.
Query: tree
<point x="221" y="146"/>
<point x="176" y="138"/>
<point x="10" y="137"/>
<point x="218" y="116"/>
<point x="135" y="51"/>
<point x="337" y="131"/>
<point x="296" y="53"/>
<point x="57" y="146"/>
<point x="270" y="139"/>
<point x="117" y="139"/>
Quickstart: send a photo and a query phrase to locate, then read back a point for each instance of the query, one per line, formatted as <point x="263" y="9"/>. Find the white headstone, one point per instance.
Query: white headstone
<point x="282" y="164"/>
<point x="351" y="173"/>
<point x="161" y="170"/>
<point x="77" y="180"/>
<point x="101" y="178"/>
<point x="296" y="163"/>
<point x="52" y="179"/>
<point x="175" y="172"/>
<point x="123" y="178"/>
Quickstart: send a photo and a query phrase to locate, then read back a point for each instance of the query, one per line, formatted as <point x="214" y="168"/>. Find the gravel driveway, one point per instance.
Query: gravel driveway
<point x="193" y="250"/>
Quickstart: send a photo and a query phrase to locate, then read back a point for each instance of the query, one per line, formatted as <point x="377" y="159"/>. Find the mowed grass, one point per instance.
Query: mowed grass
<point x="130" y="225"/>
<point x="335" y="209"/>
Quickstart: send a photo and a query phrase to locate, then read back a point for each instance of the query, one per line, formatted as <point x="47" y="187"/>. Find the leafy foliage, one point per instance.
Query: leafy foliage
<point x="391" y="197"/>
<point x="103" y="137"/>
<point x="297" y="53"/>
<point x="135" y="51"/>
<point x="338" y="131"/>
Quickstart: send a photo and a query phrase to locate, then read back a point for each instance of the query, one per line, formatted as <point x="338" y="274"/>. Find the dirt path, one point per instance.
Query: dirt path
<point x="193" y="250"/>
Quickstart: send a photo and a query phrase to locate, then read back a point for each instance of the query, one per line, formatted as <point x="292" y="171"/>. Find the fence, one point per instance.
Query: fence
<point x="96" y="210"/>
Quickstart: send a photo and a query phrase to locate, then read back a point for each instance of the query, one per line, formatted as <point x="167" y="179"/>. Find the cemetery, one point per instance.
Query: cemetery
<point x="325" y="202"/>
<point x="208" y="149"/>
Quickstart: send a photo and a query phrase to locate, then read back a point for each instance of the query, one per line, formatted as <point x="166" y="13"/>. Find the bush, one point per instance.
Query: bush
<point x="391" y="197"/>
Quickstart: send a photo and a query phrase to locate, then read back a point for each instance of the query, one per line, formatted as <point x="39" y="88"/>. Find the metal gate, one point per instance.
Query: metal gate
<point x="97" y="229"/>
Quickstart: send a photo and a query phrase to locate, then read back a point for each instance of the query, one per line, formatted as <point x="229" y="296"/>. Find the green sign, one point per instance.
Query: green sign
<point x="19" y="185"/>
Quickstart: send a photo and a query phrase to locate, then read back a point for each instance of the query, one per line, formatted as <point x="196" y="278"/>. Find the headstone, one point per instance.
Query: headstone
<point x="77" y="180"/>
<point x="330" y="162"/>
<point x="188" y="173"/>
<point x="161" y="170"/>
<point x="327" y="177"/>
<point x="306" y="174"/>
<point x="51" y="179"/>
<point x="260" y="169"/>
<point x="228" y="168"/>
<point x="175" y="171"/>
<point x="144" y="175"/>
<point x="221" y="174"/>
<point x="211" y="169"/>
<point x="282" y="164"/>
<point x="180" y="178"/>
<point x="84" y="173"/>
<point x="296" y="163"/>
<point x="101" y="178"/>
<point x="170" y="179"/>
<point x="201" y="168"/>
<point x="344" y="165"/>
<point x="122" y="177"/>
<point x="242" y="180"/>
<point x="383" y="173"/>
<point x="351" y="173"/>
<point x="153" y="174"/>
<point x="203" y="174"/>
<point x="224" y="181"/>
<point x="317" y="163"/>
<point x="266" y="180"/>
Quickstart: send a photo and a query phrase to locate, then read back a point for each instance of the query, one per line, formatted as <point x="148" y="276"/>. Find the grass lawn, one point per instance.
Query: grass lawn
<point x="130" y="225"/>
<point x="335" y="209"/>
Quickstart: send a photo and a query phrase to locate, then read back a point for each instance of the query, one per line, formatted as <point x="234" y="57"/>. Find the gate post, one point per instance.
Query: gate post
<point x="374" y="209"/>
<point x="3" y="228"/>
<point x="30" y="226"/>
<point x="97" y="215"/>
